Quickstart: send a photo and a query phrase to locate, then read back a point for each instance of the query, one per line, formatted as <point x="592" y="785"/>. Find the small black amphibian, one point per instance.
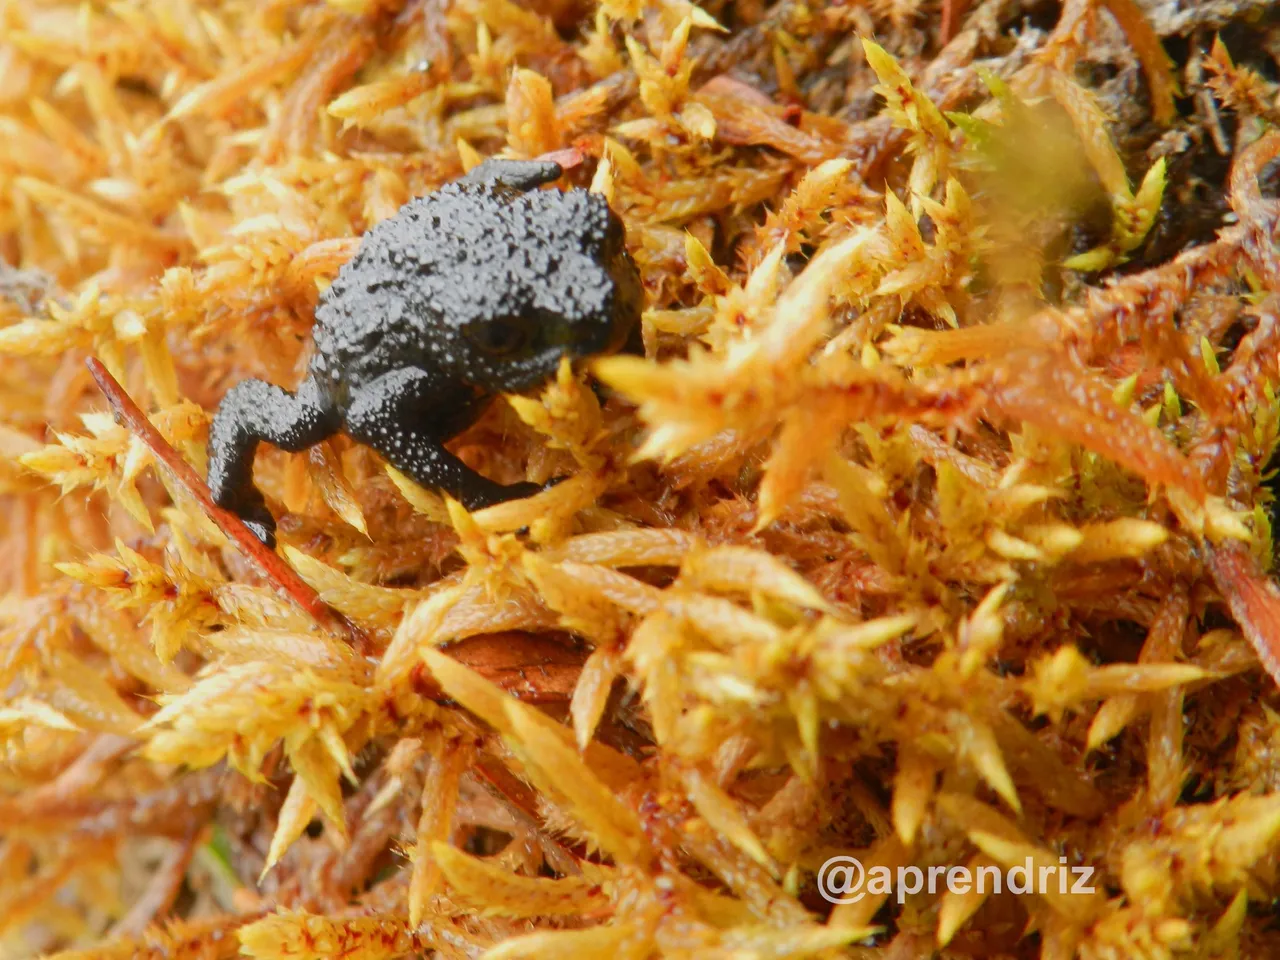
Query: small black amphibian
<point x="477" y="289"/>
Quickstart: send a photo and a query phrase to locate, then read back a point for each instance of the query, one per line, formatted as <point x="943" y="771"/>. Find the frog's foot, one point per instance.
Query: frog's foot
<point x="258" y="519"/>
<point x="483" y="492"/>
<point x="520" y="490"/>
<point x="497" y="493"/>
<point x="389" y="415"/>
<point x="532" y="489"/>
<point x="253" y="411"/>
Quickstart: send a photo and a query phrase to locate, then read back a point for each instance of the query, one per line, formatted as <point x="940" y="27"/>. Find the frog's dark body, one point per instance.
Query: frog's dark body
<point x="474" y="290"/>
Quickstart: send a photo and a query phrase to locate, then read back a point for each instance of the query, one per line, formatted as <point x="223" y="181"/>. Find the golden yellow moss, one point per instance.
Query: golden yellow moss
<point x="933" y="529"/>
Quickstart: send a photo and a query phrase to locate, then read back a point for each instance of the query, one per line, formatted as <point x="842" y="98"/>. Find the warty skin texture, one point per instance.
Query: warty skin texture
<point x="477" y="289"/>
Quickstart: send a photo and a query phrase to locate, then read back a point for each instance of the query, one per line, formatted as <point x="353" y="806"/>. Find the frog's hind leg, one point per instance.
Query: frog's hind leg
<point x="516" y="174"/>
<point x="252" y="411"/>
<point x="393" y="416"/>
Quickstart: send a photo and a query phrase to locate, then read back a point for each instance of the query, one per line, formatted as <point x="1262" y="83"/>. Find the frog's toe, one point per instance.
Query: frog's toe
<point x="260" y="523"/>
<point x="525" y="488"/>
<point x="263" y="532"/>
<point x="533" y="488"/>
<point x="482" y="493"/>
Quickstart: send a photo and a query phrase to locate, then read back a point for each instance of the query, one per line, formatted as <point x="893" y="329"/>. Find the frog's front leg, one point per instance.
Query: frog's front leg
<point x="252" y="411"/>
<point x="516" y="174"/>
<point x="394" y="414"/>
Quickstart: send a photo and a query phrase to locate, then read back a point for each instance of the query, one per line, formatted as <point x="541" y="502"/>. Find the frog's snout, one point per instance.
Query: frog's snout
<point x="628" y="304"/>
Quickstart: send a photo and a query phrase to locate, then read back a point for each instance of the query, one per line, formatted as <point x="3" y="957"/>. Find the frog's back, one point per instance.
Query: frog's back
<point x="462" y="253"/>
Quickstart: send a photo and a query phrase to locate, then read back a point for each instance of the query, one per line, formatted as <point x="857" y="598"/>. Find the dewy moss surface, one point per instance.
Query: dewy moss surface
<point x="932" y="530"/>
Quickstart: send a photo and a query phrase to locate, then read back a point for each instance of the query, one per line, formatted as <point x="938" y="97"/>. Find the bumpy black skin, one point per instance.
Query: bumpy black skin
<point x="474" y="290"/>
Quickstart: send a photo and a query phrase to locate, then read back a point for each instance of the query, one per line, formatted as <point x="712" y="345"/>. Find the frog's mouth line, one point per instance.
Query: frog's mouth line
<point x="578" y="340"/>
<point x="533" y="370"/>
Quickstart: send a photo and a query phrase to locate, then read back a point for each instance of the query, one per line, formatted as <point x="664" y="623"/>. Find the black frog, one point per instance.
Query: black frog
<point x="477" y="289"/>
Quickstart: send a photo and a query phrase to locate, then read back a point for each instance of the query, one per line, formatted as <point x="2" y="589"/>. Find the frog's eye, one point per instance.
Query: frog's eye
<point x="500" y="338"/>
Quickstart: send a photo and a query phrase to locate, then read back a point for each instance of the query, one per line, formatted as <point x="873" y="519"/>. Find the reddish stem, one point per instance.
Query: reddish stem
<point x="952" y="12"/>
<point x="269" y="563"/>
<point x="524" y="802"/>
<point x="1252" y="597"/>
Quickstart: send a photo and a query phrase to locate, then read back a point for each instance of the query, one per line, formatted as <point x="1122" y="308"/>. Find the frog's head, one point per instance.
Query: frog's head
<point x="569" y="288"/>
